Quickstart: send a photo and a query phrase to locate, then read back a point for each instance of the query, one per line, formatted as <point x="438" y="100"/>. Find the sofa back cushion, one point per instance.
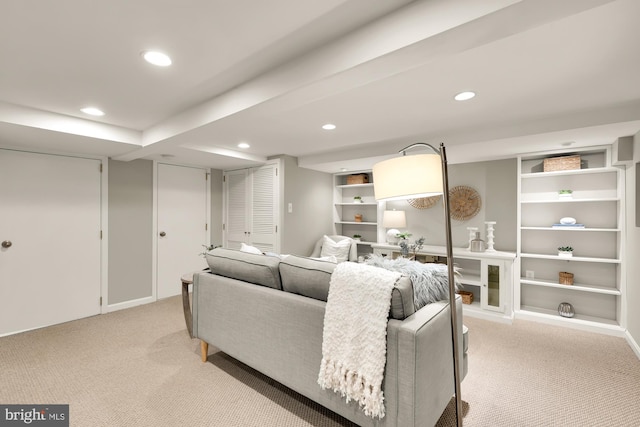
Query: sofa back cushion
<point x="253" y="268"/>
<point x="311" y="277"/>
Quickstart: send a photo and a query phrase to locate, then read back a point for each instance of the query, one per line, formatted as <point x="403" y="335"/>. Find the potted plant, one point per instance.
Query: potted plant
<point x="565" y="194"/>
<point x="357" y="199"/>
<point x="357" y="237"/>
<point x="565" y="251"/>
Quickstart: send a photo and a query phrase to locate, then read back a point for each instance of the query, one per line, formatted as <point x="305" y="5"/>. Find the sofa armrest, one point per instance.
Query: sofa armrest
<point x="423" y="347"/>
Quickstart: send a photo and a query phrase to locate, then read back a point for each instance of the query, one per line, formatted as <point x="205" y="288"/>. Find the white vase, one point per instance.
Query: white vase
<point x="566" y="254"/>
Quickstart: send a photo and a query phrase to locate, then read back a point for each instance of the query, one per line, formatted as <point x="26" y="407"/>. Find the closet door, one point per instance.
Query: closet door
<point x="50" y="221"/>
<point x="236" y="198"/>
<point x="264" y="208"/>
<point x="252" y="208"/>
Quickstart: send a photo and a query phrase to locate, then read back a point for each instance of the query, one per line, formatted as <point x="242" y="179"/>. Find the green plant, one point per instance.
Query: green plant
<point x="357" y="198"/>
<point x="565" y="192"/>
<point x="207" y="249"/>
<point x="565" y="249"/>
<point x="357" y="236"/>
<point x="403" y="236"/>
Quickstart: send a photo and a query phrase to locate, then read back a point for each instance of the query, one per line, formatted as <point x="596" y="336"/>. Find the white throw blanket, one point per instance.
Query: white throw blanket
<point x="354" y="342"/>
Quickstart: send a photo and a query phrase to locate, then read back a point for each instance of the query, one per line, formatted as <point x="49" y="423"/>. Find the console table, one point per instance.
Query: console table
<point x="489" y="276"/>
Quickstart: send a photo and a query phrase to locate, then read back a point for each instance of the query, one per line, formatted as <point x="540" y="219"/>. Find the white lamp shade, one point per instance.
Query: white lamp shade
<point x="394" y="219"/>
<point x="408" y="177"/>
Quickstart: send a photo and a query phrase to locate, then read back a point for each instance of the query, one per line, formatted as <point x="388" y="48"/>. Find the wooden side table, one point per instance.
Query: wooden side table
<point x="187" y="279"/>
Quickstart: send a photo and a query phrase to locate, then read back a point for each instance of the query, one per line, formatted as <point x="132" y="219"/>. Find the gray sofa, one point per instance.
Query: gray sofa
<point x="268" y="313"/>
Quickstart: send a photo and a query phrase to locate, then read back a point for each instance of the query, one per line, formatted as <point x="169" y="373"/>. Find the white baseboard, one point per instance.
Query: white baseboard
<point x="632" y="343"/>
<point x="129" y="304"/>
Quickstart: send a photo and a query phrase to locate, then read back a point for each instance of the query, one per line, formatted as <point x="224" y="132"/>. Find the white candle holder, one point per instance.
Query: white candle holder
<point x="490" y="235"/>
<point x="472" y="235"/>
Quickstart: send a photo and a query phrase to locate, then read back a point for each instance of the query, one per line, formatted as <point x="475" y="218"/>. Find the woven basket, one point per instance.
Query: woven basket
<point x="564" y="163"/>
<point x="467" y="297"/>
<point x="566" y="278"/>
<point x="360" y="178"/>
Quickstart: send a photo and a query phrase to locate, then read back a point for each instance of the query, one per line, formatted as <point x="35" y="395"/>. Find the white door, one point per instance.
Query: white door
<point x="236" y="226"/>
<point x="50" y="232"/>
<point x="182" y="225"/>
<point x="264" y="208"/>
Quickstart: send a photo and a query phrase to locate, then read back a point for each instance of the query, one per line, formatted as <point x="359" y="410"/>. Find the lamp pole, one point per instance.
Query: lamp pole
<point x="452" y="291"/>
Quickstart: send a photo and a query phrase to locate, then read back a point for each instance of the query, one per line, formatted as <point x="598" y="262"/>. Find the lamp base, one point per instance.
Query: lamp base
<point x="392" y="236"/>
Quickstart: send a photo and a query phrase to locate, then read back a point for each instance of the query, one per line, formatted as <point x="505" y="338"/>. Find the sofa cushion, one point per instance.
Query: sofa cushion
<point x="306" y="276"/>
<point x="253" y="268"/>
<point x="311" y="277"/>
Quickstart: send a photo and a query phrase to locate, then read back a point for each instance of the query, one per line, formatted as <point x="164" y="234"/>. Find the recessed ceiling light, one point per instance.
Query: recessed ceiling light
<point x="329" y="126"/>
<point x="243" y="145"/>
<point x="156" y="58"/>
<point x="464" y="96"/>
<point x="92" y="111"/>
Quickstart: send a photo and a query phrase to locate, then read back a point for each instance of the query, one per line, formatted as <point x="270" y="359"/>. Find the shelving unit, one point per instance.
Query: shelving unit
<point x="598" y="291"/>
<point x="345" y="210"/>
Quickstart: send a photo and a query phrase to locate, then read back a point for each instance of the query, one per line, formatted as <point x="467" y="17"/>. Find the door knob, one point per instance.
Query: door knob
<point x="162" y="234"/>
<point x="7" y="244"/>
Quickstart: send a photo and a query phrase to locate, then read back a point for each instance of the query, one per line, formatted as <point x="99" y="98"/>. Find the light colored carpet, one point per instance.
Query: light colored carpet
<point x="139" y="367"/>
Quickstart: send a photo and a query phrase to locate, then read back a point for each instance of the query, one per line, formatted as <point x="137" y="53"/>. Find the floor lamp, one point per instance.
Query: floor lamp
<point x="416" y="176"/>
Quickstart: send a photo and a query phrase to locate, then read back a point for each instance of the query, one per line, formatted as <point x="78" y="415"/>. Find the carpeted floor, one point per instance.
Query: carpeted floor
<point x="138" y="367"/>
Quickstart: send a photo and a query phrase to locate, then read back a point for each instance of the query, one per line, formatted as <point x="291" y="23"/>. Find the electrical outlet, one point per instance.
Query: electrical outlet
<point x="529" y="274"/>
<point x="290" y="208"/>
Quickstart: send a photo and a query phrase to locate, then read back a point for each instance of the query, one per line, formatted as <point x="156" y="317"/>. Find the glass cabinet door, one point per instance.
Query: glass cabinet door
<point x="492" y="277"/>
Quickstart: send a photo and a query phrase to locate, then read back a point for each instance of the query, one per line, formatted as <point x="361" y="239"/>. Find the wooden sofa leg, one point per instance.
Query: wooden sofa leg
<point x="204" y="349"/>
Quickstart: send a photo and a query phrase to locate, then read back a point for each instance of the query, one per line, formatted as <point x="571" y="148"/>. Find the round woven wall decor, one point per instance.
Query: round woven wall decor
<point x="464" y="202"/>
<point x="424" y="202"/>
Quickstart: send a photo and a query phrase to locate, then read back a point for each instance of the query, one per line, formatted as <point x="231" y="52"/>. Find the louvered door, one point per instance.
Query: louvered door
<point x="252" y="208"/>
<point x="264" y="204"/>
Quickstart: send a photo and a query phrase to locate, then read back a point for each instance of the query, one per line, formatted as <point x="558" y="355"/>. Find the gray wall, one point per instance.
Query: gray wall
<point x="311" y="194"/>
<point x="130" y="230"/>
<point x="499" y="204"/>
<point x="633" y="244"/>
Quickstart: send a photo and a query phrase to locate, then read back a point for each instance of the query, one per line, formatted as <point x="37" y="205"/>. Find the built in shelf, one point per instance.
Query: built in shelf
<point x="356" y="204"/>
<point x="570" y="229"/>
<point x="356" y="223"/>
<point x="575" y="287"/>
<point x="579" y="320"/>
<point x="568" y="172"/>
<point x="369" y="184"/>
<point x="572" y="258"/>
<point x="586" y="200"/>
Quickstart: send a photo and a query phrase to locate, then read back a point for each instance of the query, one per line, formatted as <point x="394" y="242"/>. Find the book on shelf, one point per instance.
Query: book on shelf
<point x="567" y="226"/>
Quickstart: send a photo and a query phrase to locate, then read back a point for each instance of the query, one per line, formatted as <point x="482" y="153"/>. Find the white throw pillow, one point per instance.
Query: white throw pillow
<point x="250" y="249"/>
<point x="340" y="249"/>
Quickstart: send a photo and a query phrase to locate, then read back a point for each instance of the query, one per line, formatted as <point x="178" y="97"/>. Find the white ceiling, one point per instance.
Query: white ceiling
<point x="271" y="72"/>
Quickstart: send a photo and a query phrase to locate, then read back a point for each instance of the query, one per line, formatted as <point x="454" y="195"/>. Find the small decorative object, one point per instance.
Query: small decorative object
<point x="472" y="235"/>
<point x="565" y="194"/>
<point x="477" y="244"/>
<point x="358" y="178"/>
<point x="357" y="199"/>
<point x="563" y="163"/>
<point x="490" y="235"/>
<point x="405" y="248"/>
<point x="424" y="202"/>
<point x="467" y="297"/>
<point x="565" y="251"/>
<point x="566" y="310"/>
<point x="565" y="278"/>
<point x="464" y="202"/>
<point x="567" y="220"/>
<point x="403" y="236"/>
<point x="357" y="237"/>
<point x="358" y="217"/>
